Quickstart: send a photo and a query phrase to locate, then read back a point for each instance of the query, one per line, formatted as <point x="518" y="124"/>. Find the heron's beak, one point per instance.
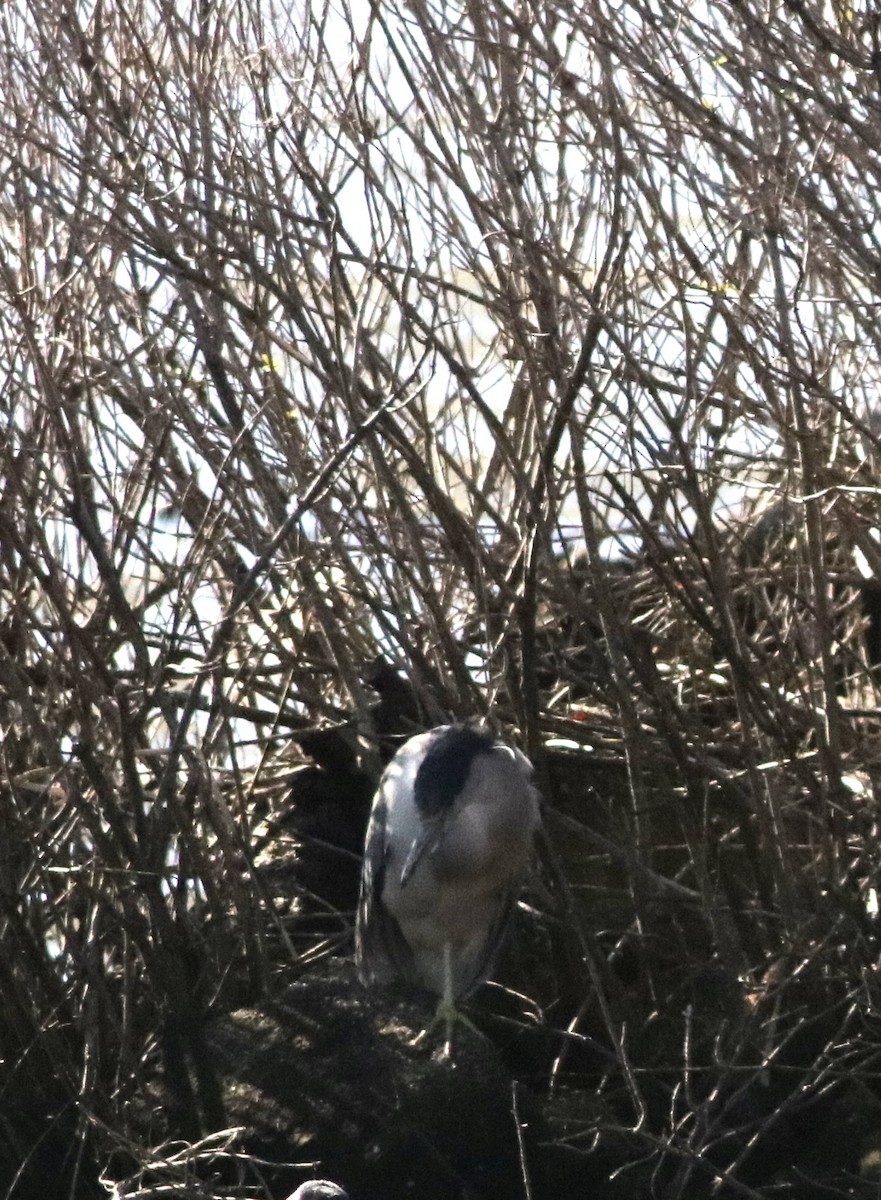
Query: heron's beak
<point x="424" y="844"/>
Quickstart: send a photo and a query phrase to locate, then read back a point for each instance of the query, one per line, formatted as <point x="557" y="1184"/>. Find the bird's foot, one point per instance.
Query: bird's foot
<point x="447" y="1015"/>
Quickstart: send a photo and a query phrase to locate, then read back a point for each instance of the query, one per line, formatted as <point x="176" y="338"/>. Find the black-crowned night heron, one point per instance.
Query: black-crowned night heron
<point x="448" y="842"/>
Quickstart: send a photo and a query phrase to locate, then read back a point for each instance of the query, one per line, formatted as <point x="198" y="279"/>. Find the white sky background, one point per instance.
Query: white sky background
<point x="403" y="236"/>
<point x="690" y="298"/>
<point x="435" y="211"/>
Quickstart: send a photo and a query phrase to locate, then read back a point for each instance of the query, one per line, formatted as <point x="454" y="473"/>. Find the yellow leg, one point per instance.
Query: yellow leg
<point x="447" y="1006"/>
<point x="447" y="1013"/>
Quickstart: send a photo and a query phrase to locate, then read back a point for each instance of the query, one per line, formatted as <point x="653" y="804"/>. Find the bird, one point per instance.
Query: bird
<point x="319" y="1189"/>
<point x="447" y="847"/>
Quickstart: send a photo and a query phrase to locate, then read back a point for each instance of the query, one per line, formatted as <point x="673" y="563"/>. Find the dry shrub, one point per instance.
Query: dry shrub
<point x="465" y="346"/>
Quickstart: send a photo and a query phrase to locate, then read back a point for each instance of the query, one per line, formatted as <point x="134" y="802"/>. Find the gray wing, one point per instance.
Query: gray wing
<point x="381" y="952"/>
